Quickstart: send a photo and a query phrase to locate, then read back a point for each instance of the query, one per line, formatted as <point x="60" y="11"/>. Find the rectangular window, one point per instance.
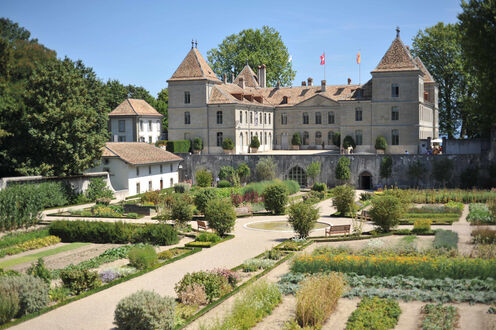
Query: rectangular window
<point x="137" y="171"/>
<point x="358" y="114"/>
<point x="171" y="168"/>
<point x="122" y="138"/>
<point x="251" y="117"/>
<point x="149" y="139"/>
<point x="395" y="90"/>
<point x="187" y="98"/>
<point x="269" y="118"/>
<point x="150" y="125"/>
<point x="161" y="169"/>
<point x="395" y="137"/>
<point x="141" y="125"/>
<point x="150" y="186"/>
<point x="138" y="189"/>
<point x="358" y="138"/>
<point x="330" y="117"/>
<point x="241" y="117"/>
<point x="318" y="118"/>
<point x="256" y="118"/>
<point x="219" y="117"/>
<point x="305" y="118"/>
<point x="187" y="118"/>
<point x="219" y="139"/>
<point x="122" y="125"/>
<point x="395" y="113"/>
<point x="284" y="119"/>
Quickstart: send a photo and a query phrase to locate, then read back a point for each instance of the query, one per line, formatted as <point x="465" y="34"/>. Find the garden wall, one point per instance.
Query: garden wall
<point x="78" y="182"/>
<point x="360" y="165"/>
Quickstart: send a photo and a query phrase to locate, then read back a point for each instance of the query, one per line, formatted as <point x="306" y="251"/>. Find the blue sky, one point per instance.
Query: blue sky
<point x="143" y="42"/>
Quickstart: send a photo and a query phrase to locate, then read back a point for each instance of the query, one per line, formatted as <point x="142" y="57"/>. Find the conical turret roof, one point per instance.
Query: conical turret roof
<point x="397" y="58"/>
<point x="194" y="67"/>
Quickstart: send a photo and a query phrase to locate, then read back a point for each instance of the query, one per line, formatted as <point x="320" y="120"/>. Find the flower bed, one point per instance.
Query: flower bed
<point x="100" y="211"/>
<point x="439" y="317"/>
<point x="419" y="266"/>
<point x="436" y="196"/>
<point x="208" y="244"/>
<point x="374" y="313"/>
<point x="30" y="245"/>
<point x="479" y="215"/>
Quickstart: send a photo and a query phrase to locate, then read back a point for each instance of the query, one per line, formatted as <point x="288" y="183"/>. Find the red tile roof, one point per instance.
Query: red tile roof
<point x="134" y="107"/>
<point x="138" y="153"/>
<point x="194" y="67"/>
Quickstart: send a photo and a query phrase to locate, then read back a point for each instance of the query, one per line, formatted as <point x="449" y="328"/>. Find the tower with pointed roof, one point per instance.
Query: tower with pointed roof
<point x="399" y="103"/>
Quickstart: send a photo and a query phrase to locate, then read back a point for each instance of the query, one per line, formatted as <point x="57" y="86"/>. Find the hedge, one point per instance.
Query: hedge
<point x="179" y="146"/>
<point x="113" y="232"/>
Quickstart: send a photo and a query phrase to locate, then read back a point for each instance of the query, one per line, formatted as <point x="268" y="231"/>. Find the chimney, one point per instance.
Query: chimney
<point x="241" y="82"/>
<point x="323" y="86"/>
<point x="262" y="76"/>
<point x="310" y="82"/>
<point x="303" y="83"/>
<point x="224" y="78"/>
<point x="232" y="77"/>
<point x="349" y="81"/>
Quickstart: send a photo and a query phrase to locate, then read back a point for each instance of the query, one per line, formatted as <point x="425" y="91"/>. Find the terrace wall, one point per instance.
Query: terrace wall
<point x="360" y="164"/>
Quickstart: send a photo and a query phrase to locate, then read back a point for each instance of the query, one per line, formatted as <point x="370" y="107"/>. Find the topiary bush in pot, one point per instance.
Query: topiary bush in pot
<point x="227" y="144"/>
<point x="145" y="310"/>
<point x="380" y="143"/>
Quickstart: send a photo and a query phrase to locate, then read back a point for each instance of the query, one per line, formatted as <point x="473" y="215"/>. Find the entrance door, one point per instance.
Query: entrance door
<point x="161" y="184"/>
<point x="365" y="180"/>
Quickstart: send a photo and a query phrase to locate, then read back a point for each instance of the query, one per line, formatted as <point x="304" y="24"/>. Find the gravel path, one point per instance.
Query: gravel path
<point x="463" y="228"/>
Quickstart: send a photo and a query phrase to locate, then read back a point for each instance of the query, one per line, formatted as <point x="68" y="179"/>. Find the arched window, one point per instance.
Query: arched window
<point x="330" y="136"/>
<point x="265" y="138"/>
<point x="306" y="138"/>
<point x="330" y="117"/>
<point x="318" y="138"/>
<point x="318" y="118"/>
<point x="299" y="175"/>
<point x="269" y="118"/>
<point x="270" y="139"/>
<point x="241" y="139"/>
<point x="187" y="118"/>
<point x="241" y="117"/>
<point x="219" y="139"/>
<point x="305" y="118"/>
<point x="265" y="119"/>
<point x="219" y="117"/>
<point x="251" y="117"/>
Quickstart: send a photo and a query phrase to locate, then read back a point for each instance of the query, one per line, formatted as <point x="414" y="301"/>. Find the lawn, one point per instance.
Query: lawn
<point x="46" y="253"/>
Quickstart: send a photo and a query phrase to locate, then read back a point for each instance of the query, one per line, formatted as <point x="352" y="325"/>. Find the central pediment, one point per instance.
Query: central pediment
<point x="316" y="101"/>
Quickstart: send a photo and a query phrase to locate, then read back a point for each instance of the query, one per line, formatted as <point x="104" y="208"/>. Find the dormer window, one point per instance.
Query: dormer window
<point x="284" y="100"/>
<point x="395" y="90"/>
<point x="187" y="97"/>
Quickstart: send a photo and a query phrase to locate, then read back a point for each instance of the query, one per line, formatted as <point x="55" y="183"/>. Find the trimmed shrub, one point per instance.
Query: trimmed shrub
<point x="349" y="142"/>
<point x="344" y="198"/>
<point x="226" y="172"/>
<point x="179" y="146"/>
<point x="374" y="313"/>
<point x="380" y="143"/>
<point x="223" y="184"/>
<point x="212" y="283"/>
<point x="255" y="142"/>
<point x="202" y="197"/>
<point x="78" y="280"/>
<point x="39" y="270"/>
<point x="421" y="226"/>
<point x="145" y="310"/>
<point x="203" y="178"/>
<point x="275" y="198"/>
<point x="317" y="298"/>
<point x="142" y="257"/>
<point x="9" y="304"/>
<point x="296" y="139"/>
<point x="317" y="186"/>
<point x="343" y="171"/>
<point x="208" y="237"/>
<point x="197" y="143"/>
<point x="265" y="169"/>
<point x="302" y="217"/>
<point x="182" y="211"/>
<point x="386" y="212"/>
<point x="227" y="144"/>
<point x="113" y="232"/>
<point x="98" y="189"/>
<point x="33" y="292"/>
<point x="243" y="172"/>
<point x="220" y="215"/>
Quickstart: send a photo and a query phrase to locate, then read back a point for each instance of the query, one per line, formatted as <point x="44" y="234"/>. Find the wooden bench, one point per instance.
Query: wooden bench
<point x="337" y="229"/>
<point x="202" y="225"/>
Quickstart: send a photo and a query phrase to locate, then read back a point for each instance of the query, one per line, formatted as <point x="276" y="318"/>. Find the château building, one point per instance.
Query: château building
<point x="400" y="103"/>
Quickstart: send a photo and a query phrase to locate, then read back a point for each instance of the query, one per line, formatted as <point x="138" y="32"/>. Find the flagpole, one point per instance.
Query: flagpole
<point x="324" y="65"/>
<point x="359" y="69"/>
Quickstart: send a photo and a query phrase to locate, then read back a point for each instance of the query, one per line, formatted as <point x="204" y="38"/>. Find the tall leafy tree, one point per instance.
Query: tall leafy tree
<point x="255" y="47"/>
<point x="12" y="31"/>
<point x="434" y="46"/>
<point x="66" y="124"/>
<point x="162" y="106"/>
<point x="478" y="35"/>
<point x="116" y="92"/>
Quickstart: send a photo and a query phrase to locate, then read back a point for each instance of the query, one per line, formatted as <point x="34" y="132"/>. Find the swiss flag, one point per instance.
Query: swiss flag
<point x="322" y="59"/>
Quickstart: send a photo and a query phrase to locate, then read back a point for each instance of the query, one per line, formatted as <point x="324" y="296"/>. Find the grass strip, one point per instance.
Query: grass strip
<point x="46" y="253"/>
<point x="101" y="288"/>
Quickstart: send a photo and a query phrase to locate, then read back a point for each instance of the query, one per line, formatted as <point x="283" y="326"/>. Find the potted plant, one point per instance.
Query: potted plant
<point x="227" y="145"/>
<point x="380" y="144"/>
<point x="197" y="145"/>
<point x="348" y="143"/>
<point x="255" y="144"/>
<point x="296" y="141"/>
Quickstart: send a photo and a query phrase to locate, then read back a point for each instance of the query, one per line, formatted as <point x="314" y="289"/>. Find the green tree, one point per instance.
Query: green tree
<point x="220" y="215"/>
<point x="265" y="169"/>
<point x="243" y="172"/>
<point x="433" y="46"/>
<point x="275" y="198"/>
<point x="478" y="32"/>
<point x="416" y="171"/>
<point x="255" y="47"/>
<point x="386" y="211"/>
<point x="343" y="171"/>
<point x="12" y="31"/>
<point x="162" y="106"/>
<point x="182" y="211"/>
<point x="344" y="199"/>
<point x="313" y="170"/>
<point x="302" y="217"/>
<point x="203" y="177"/>
<point x="202" y="198"/>
<point x="66" y="123"/>
<point x="386" y="168"/>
